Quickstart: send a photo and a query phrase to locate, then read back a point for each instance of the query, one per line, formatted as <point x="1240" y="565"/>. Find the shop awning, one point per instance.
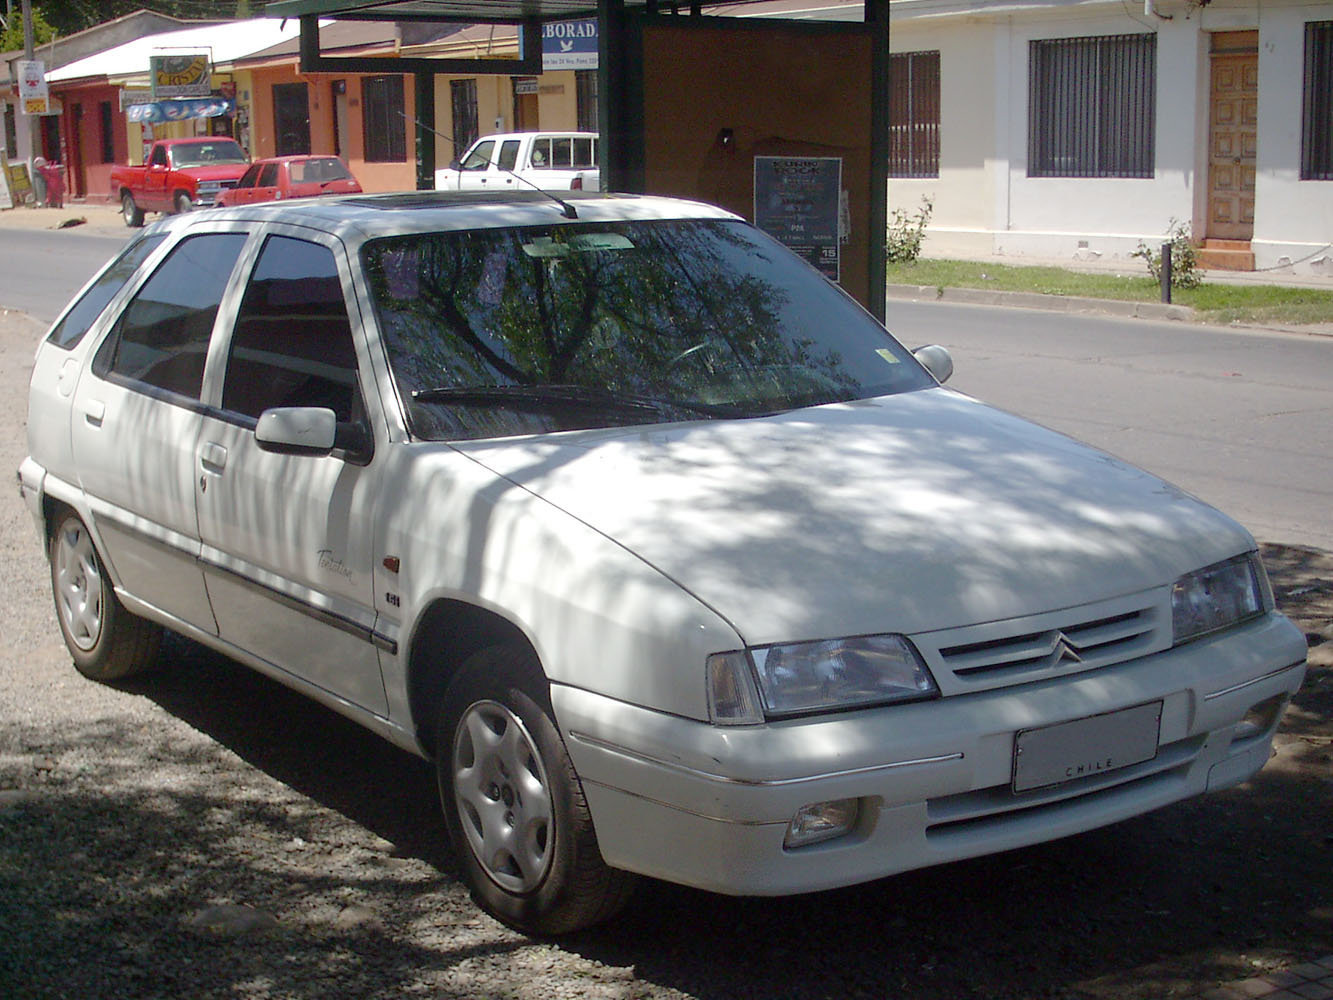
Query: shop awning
<point x="180" y="110"/>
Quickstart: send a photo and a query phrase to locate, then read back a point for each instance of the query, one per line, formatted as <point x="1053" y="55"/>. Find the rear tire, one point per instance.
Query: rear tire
<point x="516" y="813"/>
<point x="106" y="641"/>
<point x="130" y="212"/>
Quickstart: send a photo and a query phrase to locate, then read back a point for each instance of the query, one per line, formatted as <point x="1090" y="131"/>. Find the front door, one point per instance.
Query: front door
<point x="291" y="119"/>
<point x="1233" y="134"/>
<point x="286" y="539"/>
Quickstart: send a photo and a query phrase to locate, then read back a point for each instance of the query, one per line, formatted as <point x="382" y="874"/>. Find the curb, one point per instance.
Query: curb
<point x="1036" y="300"/>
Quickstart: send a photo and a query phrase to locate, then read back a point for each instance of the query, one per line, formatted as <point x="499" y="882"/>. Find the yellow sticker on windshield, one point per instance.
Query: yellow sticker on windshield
<point x="888" y="355"/>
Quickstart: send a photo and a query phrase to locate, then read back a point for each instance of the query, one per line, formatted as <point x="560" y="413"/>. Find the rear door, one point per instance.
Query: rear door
<point x="136" y="423"/>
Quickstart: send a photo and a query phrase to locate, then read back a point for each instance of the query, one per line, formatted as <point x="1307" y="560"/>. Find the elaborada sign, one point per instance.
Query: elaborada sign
<point x="569" y="44"/>
<point x="185" y="75"/>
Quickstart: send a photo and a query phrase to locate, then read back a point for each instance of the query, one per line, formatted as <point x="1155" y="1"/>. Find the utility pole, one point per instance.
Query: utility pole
<point x="34" y="126"/>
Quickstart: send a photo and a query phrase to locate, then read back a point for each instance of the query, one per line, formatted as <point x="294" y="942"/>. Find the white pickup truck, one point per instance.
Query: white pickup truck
<point x="552" y="161"/>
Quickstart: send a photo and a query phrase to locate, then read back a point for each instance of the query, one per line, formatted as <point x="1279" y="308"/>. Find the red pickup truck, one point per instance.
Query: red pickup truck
<point x="178" y="175"/>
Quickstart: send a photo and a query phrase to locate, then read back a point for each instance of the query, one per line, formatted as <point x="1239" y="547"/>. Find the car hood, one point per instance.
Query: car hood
<point x="906" y="513"/>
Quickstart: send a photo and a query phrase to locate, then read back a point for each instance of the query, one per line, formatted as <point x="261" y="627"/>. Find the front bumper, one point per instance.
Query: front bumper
<point x="709" y="806"/>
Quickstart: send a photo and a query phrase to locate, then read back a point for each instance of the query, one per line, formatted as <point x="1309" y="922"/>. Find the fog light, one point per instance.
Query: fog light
<point x="821" y="821"/>
<point x="1259" y="719"/>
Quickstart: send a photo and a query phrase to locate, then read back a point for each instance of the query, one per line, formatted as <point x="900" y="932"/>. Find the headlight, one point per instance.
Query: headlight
<point x="797" y="678"/>
<point x="1218" y="597"/>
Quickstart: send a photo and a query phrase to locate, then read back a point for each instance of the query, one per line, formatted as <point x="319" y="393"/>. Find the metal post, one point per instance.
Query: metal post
<point x="877" y="18"/>
<point x="34" y="125"/>
<point x="1166" y="273"/>
<point x="424" y="97"/>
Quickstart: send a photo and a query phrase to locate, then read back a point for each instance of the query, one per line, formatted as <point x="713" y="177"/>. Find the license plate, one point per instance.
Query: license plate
<point x="1087" y="747"/>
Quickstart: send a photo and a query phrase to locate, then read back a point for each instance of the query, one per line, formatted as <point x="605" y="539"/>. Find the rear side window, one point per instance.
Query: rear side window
<point x="75" y="323"/>
<point x="509" y="154"/>
<point x="293" y="342"/>
<point x="161" y="339"/>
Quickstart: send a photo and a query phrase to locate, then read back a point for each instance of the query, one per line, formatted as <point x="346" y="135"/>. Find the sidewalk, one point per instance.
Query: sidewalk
<point x="103" y="219"/>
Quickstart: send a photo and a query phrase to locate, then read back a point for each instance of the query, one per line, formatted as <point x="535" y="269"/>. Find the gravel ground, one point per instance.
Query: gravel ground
<point x="204" y="833"/>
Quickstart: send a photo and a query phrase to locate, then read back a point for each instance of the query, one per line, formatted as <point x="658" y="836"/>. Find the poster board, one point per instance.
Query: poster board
<point x="796" y="201"/>
<point x="15" y="185"/>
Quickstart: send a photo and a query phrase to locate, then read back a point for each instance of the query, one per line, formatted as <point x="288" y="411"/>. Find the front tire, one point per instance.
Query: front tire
<point x="106" y="641"/>
<point x="132" y="213"/>
<point x="183" y="203"/>
<point x="516" y="814"/>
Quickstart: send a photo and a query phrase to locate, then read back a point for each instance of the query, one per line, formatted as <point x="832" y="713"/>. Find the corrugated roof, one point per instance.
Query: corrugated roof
<point x="226" y="42"/>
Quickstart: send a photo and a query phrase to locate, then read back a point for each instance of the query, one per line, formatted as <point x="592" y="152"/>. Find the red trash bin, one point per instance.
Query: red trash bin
<point x="54" y="175"/>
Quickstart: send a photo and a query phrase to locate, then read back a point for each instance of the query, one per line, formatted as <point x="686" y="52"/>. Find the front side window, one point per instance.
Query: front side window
<point x="914" y="114"/>
<point x="249" y="177"/>
<point x="1317" y="112"/>
<point x="385" y="128"/>
<point x="161" y="339"/>
<point x="519" y="331"/>
<point x="479" y="158"/>
<point x="292" y="345"/>
<point x="1092" y="106"/>
<point x="75" y="323"/>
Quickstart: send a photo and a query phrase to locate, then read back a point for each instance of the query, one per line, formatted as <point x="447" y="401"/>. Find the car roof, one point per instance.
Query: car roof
<point x="360" y="217"/>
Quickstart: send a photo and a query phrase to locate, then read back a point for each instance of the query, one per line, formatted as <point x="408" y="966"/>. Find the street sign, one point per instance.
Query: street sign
<point x="33" y="94"/>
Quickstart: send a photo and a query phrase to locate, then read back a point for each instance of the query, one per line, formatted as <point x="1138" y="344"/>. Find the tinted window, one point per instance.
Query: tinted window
<point x="268" y="177"/>
<point x="249" y="177"/>
<point x="509" y="154"/>
<point x="161" y="339"/>
<point x="70" y="330"/>
<point x="520" y="331"/>
<point x="293" y="343"/>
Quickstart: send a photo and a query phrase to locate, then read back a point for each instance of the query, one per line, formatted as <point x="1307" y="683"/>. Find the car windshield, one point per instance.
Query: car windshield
<point x="198" y="154"/>
<point x="499" y="332"/>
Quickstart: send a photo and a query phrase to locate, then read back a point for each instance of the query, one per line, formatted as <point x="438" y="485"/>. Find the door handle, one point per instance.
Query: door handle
<point x="94" y="411"/>
<point x="212" y="456"/>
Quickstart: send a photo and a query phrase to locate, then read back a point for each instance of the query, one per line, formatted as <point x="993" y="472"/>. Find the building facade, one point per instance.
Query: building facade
<point x="1065" y="129"/>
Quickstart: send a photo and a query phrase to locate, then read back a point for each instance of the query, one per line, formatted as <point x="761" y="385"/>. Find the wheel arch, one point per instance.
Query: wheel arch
<point x="447" y="633"/>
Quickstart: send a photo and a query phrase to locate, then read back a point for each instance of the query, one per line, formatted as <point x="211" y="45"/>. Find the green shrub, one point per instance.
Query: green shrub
<point x="1184" y="264"/>
<point x="907" y="233"/>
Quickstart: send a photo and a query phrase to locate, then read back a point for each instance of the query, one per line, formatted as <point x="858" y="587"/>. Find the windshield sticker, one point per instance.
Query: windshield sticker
<point x="887" y="355"/>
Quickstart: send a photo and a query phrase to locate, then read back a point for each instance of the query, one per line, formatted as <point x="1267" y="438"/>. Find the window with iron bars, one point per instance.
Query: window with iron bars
<point x="914" y="114"/>
<point x="384" y="127"/>
<point x="463" y="104"/>
<point x="1092" y="106"/>
<point x="1317" y="114"/>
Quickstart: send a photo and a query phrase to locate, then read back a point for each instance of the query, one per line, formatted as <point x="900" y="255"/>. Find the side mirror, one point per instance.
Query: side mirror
<point x="937" y="360"/>
<point x="297" y="430"/>
<point x="455" y="165"/>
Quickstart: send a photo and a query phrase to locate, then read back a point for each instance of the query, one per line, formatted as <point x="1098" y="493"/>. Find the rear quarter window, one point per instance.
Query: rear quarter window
<point x="83" y="314"/>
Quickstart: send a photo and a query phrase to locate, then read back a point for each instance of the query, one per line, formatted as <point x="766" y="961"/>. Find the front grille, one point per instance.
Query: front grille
<point x="1024" y="649"/>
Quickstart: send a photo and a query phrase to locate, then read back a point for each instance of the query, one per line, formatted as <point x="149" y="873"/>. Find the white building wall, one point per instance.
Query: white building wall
<point x="1293" y="222"/>
<point x="964" y="192"/>
<point x="986" y="204"/>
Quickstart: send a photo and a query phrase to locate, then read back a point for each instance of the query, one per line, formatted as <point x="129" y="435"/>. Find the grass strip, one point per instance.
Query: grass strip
<point x="1213" y="302"/>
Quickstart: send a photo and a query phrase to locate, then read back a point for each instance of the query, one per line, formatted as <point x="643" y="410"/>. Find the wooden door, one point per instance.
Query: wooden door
<point x="1233" y="137"/>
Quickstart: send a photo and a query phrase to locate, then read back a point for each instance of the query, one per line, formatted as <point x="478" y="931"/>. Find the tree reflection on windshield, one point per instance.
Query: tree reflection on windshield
<point x="706" y="318"/>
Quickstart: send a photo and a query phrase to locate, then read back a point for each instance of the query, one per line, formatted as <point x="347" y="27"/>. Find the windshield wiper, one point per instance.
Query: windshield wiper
<point x="561" y="399"/>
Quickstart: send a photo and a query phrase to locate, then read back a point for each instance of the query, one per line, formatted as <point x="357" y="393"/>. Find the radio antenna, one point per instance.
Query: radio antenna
<point x="566" y="209"/>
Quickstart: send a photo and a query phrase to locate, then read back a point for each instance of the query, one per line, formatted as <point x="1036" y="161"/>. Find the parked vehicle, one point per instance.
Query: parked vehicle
<point x="551" y="161"/>
<point x="291" y="177"/>
<point x="177" y="176"/>
<point x="665" y="552"/>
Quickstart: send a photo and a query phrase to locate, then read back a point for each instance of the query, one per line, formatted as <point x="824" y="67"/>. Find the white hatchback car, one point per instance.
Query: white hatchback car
<point x="665" y="552"/>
